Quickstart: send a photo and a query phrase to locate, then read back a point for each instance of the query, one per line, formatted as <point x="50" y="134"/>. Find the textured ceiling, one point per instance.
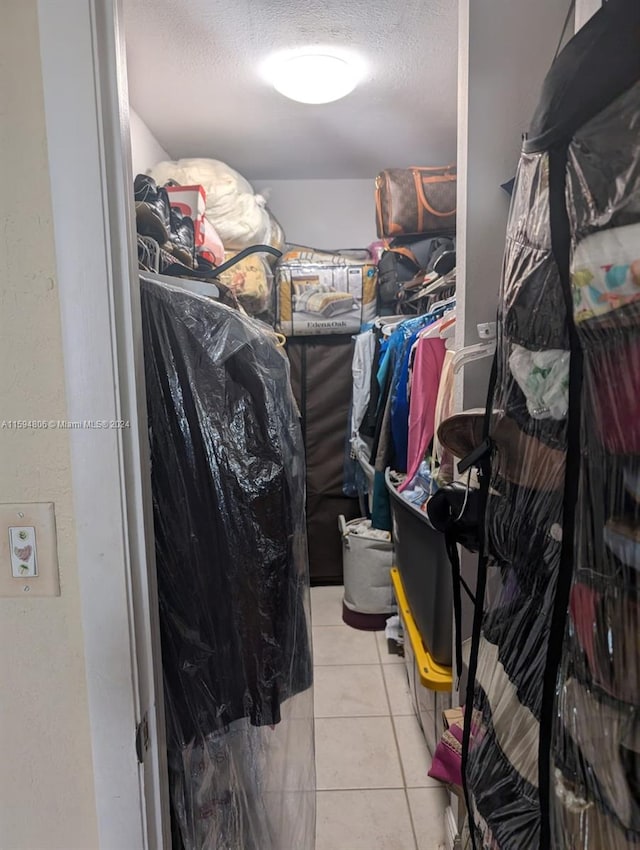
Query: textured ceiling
<point x="194" y="77"/>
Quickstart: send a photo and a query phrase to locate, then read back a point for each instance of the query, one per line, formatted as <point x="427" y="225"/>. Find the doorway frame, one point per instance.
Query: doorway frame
<point x="86" y="106"/>
<point x="87" y="119"/>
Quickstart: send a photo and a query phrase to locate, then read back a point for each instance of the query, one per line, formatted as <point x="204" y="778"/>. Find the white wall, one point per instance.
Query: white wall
<point x="146" y="150"/>
<point x="505" y="50"/>
<point x="584" y="10"/>
<point x="323" y="213"/>
<point x="46" y="775"/>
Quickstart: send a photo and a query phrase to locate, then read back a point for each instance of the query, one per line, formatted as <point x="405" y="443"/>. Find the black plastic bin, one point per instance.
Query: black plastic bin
<point x="423" y="563"/>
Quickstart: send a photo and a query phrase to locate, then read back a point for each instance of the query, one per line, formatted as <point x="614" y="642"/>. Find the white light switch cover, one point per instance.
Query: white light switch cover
<point x="22" y="548"/>
<point x="28" y="550"/>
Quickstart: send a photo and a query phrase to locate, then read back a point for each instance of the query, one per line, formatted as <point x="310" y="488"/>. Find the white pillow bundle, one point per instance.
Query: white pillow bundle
<point x="239" y="215"/>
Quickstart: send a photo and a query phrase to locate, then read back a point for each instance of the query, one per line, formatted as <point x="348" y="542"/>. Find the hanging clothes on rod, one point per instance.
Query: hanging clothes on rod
<point x="227" y="469"/>
<point x="390" y="347"/>
<point x="428" y="362"/>
<point x="400" y="394"/>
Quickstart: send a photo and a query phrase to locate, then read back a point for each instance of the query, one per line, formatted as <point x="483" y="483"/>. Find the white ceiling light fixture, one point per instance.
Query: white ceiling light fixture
<point x="314" y="75"/>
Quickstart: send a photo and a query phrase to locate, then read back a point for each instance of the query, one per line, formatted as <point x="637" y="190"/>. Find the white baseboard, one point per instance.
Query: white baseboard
<point x="451" y="830"/>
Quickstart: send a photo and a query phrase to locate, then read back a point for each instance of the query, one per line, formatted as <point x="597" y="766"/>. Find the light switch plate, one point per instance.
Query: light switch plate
<point x="28" y="550"/>
<point x="23" y="551"/>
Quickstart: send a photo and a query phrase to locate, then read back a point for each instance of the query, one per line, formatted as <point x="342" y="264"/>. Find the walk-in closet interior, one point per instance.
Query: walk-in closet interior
<point x="396" y="584"/>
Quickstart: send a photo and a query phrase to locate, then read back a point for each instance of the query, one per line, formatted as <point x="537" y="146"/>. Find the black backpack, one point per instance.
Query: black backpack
<point x="401" y="262"/>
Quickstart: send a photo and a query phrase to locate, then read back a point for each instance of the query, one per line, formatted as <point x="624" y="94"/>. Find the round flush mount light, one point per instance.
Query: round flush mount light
<point x="314" y="75"/>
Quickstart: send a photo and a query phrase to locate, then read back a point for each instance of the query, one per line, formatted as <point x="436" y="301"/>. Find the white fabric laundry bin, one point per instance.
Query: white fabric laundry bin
<point x="362" y="450"/>
<point x="367" y="558"/>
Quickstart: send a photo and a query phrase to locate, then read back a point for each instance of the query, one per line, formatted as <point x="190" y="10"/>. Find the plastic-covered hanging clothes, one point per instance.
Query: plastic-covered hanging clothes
<point x="228" y="493"/>
<point x="523" y="532"/>
<point x="595" y="756"/>
<point x="554" y="751"/>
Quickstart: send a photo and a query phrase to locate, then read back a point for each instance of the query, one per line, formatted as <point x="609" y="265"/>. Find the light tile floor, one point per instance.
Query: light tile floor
<point x="371" y="759"/>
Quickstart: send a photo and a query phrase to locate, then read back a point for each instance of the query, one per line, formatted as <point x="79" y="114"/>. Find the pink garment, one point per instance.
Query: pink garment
<point x="432" y="331"/>
<point x="376" y="248"/>
<point x="427" y="368"/>
<point x="442" y="466"/>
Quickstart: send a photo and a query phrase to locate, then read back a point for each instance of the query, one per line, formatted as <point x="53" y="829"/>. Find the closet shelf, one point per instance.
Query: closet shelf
<point x="433" y="676"/>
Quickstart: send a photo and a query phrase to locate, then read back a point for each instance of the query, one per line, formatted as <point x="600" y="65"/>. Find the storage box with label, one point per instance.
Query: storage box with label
<point x="320" y="293"/>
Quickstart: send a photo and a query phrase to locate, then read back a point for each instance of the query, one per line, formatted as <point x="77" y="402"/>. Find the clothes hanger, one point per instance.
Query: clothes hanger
<point x="381" y="321"/>
<point x="439" y="327"/>
<point x="443" y="282"/>
<point x="387" y="330"/>
<point x="473" y="352"/>
<point x="448" y="329"/>
<point x="420" y="280"/>
<point x="151" y="251"/>
<point x="195" y="287"/>
<point x="440" y="304"/>
<point x="388" y="324"/>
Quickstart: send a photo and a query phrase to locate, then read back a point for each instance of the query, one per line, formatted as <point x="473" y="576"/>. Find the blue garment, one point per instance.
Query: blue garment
<point x="387" y="354"/>
<point x="422" y="486"/>
<point x="381" y="504"/>
<point x="400" y="405"/>
<point x="410" y="330"/>
<point x="395" y="345"/>
<point x="391" y="347"/>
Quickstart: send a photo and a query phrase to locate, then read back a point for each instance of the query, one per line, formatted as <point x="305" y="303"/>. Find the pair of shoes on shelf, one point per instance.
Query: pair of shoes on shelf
<point x="155" y="217"/>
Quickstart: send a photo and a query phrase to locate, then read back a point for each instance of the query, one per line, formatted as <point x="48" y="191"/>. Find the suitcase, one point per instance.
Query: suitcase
<point x="415" y="201"/>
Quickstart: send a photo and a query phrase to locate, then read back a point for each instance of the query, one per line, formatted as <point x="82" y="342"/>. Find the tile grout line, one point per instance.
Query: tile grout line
<point x="377" y="643"/>
<point x="385" y="788"/>
<point x="404" y="777"/>
<point x="395" y="738"/>
<point x="406" y="791"/>
<point x="354" y="664"/>
<point x="334" y="625"/>
<point x="353" y="717"/>
<point x="360" y="788"/>
<point x="381" y="666"/>
<point x="386" y="691"/>
<point x="397" y="743"/>
<point x="411" y="820"/>
<point x="371" y="664"/>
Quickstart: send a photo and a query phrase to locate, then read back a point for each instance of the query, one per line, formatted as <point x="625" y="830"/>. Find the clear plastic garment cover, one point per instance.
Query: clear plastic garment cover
<point x="553" y="756"/>
<point x="228" y="493"/>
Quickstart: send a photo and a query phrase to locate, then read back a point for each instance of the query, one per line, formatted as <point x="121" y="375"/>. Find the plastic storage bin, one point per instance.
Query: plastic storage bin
<point x="428" y="705"/>
<point x="430" y="685"/>
<point x="422" y="560"/>
<point x="367" y="558"/>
